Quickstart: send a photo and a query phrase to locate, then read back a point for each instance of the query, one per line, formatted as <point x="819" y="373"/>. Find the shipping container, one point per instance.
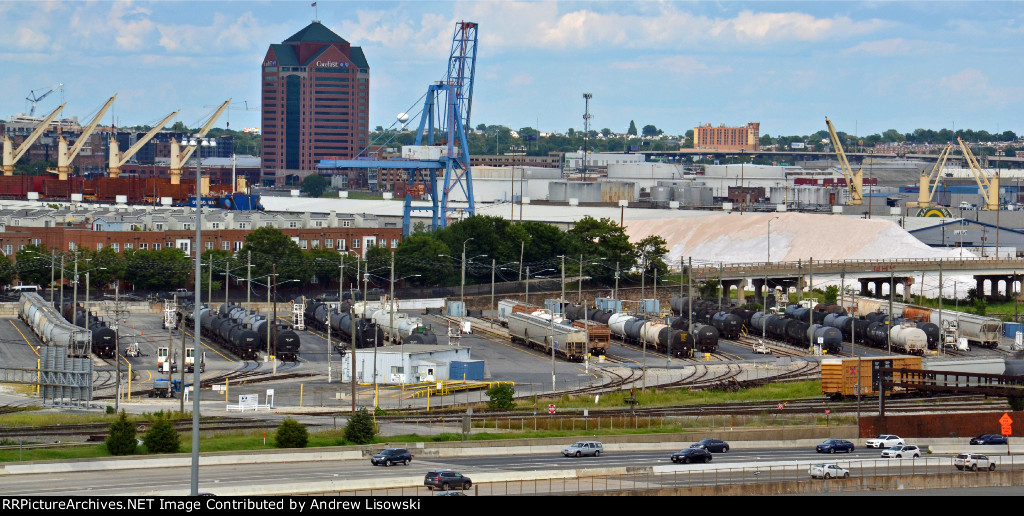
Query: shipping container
<point x="466" y="370"/>
<point x="839" y="375"/>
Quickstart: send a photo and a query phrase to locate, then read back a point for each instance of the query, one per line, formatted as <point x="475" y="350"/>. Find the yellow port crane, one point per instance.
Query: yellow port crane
<point x="65" y="156"/>
<point x="854" y="182"/>
<point x="118" y="159"/>
<point x="11" y="156"/>
<point x="987" y="186"/>
<point x="180" y="156"/>
<point x="930" y="182"/>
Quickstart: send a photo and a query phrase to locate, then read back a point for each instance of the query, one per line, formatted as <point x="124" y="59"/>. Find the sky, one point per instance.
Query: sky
<point x="868" y="66"/>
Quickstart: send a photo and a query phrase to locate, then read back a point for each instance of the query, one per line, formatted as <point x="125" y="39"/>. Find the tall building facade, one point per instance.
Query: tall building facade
<point x="316" y="97"/>
<point x="724" y="138"/>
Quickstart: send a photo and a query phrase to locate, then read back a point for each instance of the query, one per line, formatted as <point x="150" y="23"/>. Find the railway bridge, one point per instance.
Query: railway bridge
<point x="871" y="274"/>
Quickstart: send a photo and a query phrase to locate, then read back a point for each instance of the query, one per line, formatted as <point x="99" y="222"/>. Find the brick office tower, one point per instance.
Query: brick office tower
<point x="316" y="96"/>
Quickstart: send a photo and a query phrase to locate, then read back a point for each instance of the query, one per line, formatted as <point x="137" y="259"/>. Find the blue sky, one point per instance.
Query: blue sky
<point x="869" y="66"/>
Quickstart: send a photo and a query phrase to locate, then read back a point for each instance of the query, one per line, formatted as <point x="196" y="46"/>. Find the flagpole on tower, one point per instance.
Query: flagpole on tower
<point x="316" y="13"/>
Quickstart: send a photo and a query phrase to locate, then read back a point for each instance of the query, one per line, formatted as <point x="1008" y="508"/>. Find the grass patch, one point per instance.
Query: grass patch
<point x="34" y="417"/>
<point x="19" y="388"/>
<point x="654" y="397"/>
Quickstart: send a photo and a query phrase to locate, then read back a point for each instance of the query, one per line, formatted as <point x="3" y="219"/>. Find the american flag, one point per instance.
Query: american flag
<point x="313" y="4"/>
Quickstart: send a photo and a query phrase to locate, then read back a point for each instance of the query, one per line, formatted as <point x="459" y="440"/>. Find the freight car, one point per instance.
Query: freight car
<point x="538" y="333"/>
<point x="702" y="337"/>
<point x="977" y="329"/>
<point x="399" y="327"/>
<point x="51" y="327"/>
<point x="103" y="340"/>
<point x="840" y="376"/>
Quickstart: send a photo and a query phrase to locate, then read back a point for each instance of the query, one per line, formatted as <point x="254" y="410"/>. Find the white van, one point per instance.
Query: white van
<point x="25" y="288"/>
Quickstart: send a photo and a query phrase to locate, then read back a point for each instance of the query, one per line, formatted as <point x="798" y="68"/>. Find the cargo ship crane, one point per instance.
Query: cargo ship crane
<point x="930" y="182"/>
<point x="987" y="186"/>
<point x="451" y="148"/>
<point x="180" y="156"/>
<point x="117" y="159"/>
<point x="11" y="156"/>
<point x="65" y="156"/>
<point x="854" y="182"/>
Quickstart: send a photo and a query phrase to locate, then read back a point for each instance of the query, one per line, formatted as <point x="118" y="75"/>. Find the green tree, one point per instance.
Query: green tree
<point x="601" y="240"/>
<point x="632" y="128"/>
<point x="291" y="434"/>
<point x="7" y="270"/>
<point x="501" y="396"/>
<point x="121" y="438"/>
<point x="222" y="261"/>
<point x="650" y="253"/>
<point x="650" y="130"/>
<point x="162" y="437"/>
<point x="314" y="185"/>
<point x="360" y="428"/>
<point x="271" y="246"/>
<point x="418" y="254"/>
<point x="33" y="265"/>
<point x="165" y="269"/>
<point x="831" y="294"/>
<point x="323" y="265"/>
<point x="107" y="266"/>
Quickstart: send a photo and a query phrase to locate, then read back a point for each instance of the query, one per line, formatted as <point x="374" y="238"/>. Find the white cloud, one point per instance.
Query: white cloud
<point x="897" y="47"/>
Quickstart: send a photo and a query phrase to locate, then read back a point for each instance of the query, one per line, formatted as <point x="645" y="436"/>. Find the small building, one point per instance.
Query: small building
<point x="410" y="363"/>
<point x="980" y="237"/>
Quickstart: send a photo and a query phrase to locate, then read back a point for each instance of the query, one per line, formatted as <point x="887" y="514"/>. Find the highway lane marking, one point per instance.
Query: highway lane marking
<point x="30" y="346"/>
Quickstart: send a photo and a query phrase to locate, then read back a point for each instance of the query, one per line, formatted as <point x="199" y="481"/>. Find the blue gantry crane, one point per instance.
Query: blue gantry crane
<point x="444" y="120"/>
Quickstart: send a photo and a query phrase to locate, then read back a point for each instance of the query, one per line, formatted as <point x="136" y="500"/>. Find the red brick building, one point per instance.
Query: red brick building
<point x="724" y="138"/>
<point x="316" y="93"/>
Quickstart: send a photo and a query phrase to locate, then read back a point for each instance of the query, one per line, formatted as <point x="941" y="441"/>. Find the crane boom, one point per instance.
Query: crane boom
<point x="118" y="159"/>
<point x="65" y="156"/>
<point x="930" y="182"/>
<point x="35" y="100"/>
<point x="989" y="187"/>
<point x="180" y="156"/>
<point x="854" y="182"/>
<point x="11" y="157"/>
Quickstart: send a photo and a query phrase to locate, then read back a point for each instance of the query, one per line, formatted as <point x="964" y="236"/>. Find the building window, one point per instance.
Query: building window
<point x="346" y="223"/>
<point x="186" y="226"/>
<point x="156" y="246"/>
<point x="99" y="246"/>
<point x="37" y="241"/>
<point x="316" y="244"/>
<point x="303" y="244"/>
<point x="329" y="243"/>
<point x="115" y="247"/>
<point x="209" y="246"/>
<point x="293" y="224"/>
<point x="215" y="225"/>
<point x="21" y="247"/>
<point x="159" y="226"/>
<point x="144" y="246"/>
<point x="238" y="245"/>
<point x="127" y="246"/>
<point x="71" y="246"/>
<point x="8" y="249"/>
<point x="318" y="223"/>
<point x="382" y="242"/>
<point x="341" y="244"/>
<point x="225" y="245"/>
<point x="355" y="243"/>
<point x="394" y="243"/>
<point x="243" y="225"/>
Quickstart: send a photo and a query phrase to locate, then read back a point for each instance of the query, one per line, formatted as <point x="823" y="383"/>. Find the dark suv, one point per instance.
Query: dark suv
<point x="446" y="479"/>
<point x="391" y="456"/>
<point x="712" y="445"/>
<point x="989" y="439"/>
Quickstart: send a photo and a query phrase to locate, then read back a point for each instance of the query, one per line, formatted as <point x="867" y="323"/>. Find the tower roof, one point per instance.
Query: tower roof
<point x="315" y="32"/>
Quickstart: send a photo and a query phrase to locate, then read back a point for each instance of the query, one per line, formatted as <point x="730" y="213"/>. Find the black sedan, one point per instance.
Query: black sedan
<point x="712" y="445"/>
<point x="392" y="456"/>
<point x="834" y="445"/>
<point x="691" y="455"/>
<point x="989" y="439"/>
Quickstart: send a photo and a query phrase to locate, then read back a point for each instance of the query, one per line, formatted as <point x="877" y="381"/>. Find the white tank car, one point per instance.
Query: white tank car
<point x="908" y="338"/>
<point x="650" y="332"/>
<point x="569" y="342"/>
<point x="403" y="324"/>
<point x="617" y="322"/>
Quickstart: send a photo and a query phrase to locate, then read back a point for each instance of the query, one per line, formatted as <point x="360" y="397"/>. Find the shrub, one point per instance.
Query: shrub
<point x="360" y="428"/>
<point x="291" y="434"/>
<point x="501" y="396"/>
<point x="162" y="437"/>
<point x="121" y="439"/>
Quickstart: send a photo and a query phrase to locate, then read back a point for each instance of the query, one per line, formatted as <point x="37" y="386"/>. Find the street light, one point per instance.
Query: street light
<point x="197" y="144"/>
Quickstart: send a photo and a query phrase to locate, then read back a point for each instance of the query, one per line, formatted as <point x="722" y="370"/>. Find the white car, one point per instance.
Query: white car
<point x="900" y="451"/>
<point x="885" y="441"/>
<point x="828" y="471"/>
<point x="973" y="462"/>
<point x="762" y="348"/>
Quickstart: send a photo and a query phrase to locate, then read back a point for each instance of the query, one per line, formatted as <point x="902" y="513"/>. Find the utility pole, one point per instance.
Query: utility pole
<point x="527" y="286"/>
<point x="942" y="338"/>
<point x="53" y="264"/>
<point x="273" y="322"/>
<point x="579" y="295"/>
<point x="689" y="310"/>
<point x="810" y="289"/>
<point x="248" y="280"/>
<point x="227" y="279"/>
<point x="62" y="281"/>
<point x="888" y="333"/>
<point x="209" y="281"/>
<point x="493" y="262"/>
<point x="616" y="294"/>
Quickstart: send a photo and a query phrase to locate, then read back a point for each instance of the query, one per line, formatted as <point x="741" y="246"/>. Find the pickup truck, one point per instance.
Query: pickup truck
<point x="828" y="471"/>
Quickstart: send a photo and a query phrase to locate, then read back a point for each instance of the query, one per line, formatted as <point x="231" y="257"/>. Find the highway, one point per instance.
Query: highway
<point x="488" y="472"/>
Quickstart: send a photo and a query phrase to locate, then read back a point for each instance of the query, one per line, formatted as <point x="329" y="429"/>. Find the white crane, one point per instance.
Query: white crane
<point x="65" y="156"/>
<point x="35" y="99"/>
